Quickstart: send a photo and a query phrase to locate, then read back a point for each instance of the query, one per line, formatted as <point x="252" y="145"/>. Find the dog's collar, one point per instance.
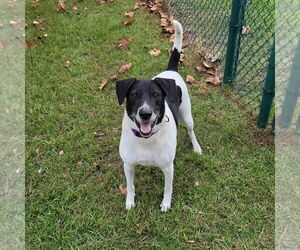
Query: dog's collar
<point x="138" y="134"/>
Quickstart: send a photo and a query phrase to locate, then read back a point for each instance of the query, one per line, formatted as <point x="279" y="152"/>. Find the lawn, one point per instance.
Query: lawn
<point x="222" y="199"/>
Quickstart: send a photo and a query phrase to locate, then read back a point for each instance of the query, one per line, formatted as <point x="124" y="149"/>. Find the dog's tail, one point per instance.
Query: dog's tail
<point x="175" y="57"/>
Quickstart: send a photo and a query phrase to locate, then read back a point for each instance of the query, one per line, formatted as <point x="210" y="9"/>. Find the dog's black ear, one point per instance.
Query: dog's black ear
<point x="122" y="87"/>
<point x="169" y="87"/>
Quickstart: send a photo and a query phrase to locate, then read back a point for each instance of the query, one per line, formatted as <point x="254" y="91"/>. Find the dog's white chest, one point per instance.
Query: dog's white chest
<point x="158" y="150"/>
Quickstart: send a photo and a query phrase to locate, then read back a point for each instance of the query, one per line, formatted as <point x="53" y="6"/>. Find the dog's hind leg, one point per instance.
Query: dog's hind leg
<point x="185" y="112"/>
<point x="129" y="173"/>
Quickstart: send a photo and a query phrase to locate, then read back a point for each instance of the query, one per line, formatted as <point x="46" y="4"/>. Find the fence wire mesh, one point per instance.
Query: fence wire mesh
<point x="207" y="24"/>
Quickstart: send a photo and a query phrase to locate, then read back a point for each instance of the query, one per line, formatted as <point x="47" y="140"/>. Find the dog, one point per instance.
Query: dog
<point x="149" y="127"/>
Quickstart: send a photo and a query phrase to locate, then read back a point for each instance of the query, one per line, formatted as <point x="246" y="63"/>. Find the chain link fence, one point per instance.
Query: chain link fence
<point x="239" y="36"/>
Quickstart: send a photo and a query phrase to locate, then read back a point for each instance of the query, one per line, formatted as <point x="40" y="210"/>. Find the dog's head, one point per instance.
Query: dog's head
<point x="146" y="100"/>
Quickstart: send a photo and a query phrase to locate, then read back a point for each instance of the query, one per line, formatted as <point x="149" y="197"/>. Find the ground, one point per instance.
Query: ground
<point x="222" y="199"/>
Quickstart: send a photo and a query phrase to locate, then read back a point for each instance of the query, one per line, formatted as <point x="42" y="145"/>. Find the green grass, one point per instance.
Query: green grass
<point x="233" y="207"/>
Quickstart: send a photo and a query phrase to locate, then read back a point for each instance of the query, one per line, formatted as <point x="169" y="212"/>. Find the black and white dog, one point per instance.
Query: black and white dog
<point x="149" y="127"/>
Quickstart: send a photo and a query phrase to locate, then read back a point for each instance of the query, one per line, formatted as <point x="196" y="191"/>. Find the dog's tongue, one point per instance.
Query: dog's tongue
<point x="145" y="128"/>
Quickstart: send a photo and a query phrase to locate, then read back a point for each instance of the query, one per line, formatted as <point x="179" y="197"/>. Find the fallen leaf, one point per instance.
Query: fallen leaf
<point x="181" y="59"/>
<point x="123" y="189"/>
<point x="114" y="76"/>
<point x="67" y="64"/>
<point x="154" y="52"/>
<point x="190" y="79"/>
<point x="61" y="6"/>
<point x="170" y="30"/>
<point x="99" y="134"/>
<point x="30" y="44"/>
<point x="197" y="184"/>
<point x="191" y="241"/>
<point x="128" y="21"/>
<point x="163" y="22"/>
<point x="124" y="43"/>
<point x="66" y="175"/>
<point x="139" y="232"/>
<point x="39" y="26"/>
<point x="246" y="30"/>
<point x="74" y="100"/>
<point x="37" y="150"/>
<point x="75" y="8"/>
<point x="203" y="69"/>
<point x="103" y="84"/>
<point x="35" y="3"/>
<point x="214" y="80"/>
<point x="95" y="165"/>
<point x="135" y="7"/>
<point x="128" y="14"/>
<point x="61" y="152"/>
<point x="124" y="68"/>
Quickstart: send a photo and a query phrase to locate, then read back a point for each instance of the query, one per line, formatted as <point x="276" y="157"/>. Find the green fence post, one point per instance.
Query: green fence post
<point x="292" y="91"/>
<point x="268" y="92"/>
<point x="234" y="37"/>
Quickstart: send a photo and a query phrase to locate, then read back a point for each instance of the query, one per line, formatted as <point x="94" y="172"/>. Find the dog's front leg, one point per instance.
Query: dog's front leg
<point x="168" y="174"/>
<point x="129" y="173"/>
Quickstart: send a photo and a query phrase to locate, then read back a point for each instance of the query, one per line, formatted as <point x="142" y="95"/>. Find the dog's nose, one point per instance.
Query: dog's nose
<point x="145" y="114"/>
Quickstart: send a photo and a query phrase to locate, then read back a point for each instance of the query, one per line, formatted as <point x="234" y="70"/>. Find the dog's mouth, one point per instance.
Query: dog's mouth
<point x="145" y="128"/>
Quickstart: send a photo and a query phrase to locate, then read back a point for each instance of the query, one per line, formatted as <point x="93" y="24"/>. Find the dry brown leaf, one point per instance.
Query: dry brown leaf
<point x="128" y="14"/>
<point x="190" y="79"/>
<point x="170" y="30"/>
<point x="181" y="59"/>
<point x="123" y="189"/>
<point x="124" y="68"/>
<point x="95" y="165"/>
<point x="124" y="43"/>
<point x="75" y="8"/>
<point x="163" y="22"/>
<point x="99" y="134"/>
<point x="154" y="52"/>
<point x="139" y="232"/>
<point x="103" y="84"/>
<point x="135" y="7"/>
<point x="74" y="100"/>
<point x="246" y="30"/>
<point x="203" y="69"/>
<point x="66" y="175"/>
<point x="61" y="152"/>
<point x="30" y="44"/>
<point x="128" y="21"/>
<point x="191" y="241"/>
<point x="197" y="184"/>
<point x="35" y="3"/>
<point x="114" y="76"/>
<point x="67" y="64"/>
<point x="214" y="80"/>
<point x="39" y="26"/>
<point x="61" y="6"/>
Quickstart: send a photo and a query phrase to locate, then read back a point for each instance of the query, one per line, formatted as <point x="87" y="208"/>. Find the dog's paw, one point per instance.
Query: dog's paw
<point x="197" y="149"/>
<point x="130" y="205"/>
<point x="164" y="206"/>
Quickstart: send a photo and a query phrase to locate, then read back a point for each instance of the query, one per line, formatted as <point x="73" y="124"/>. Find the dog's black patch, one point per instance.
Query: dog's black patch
<point x="174" y="60"/>
<point x="153" y="92"/>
